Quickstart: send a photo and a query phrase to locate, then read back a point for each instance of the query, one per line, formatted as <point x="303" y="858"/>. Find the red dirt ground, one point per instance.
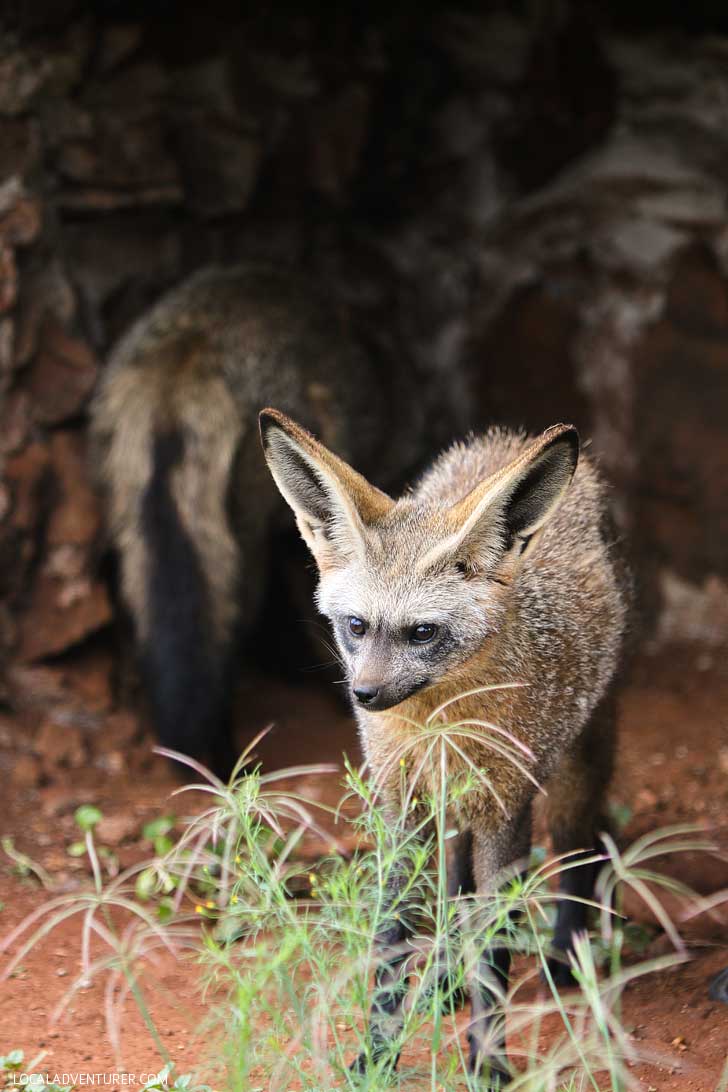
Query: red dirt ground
<point x="673" y="767"/>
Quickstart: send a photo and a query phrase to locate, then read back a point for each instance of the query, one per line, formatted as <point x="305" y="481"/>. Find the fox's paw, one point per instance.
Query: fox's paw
<point x="491" y="1072"/>
<point x="560" y="971"/>
<point x="452" y="994"/>
<point x="364" y="1062"/>
<point x="359" y="1065"/>
<point x="718" y="989"/>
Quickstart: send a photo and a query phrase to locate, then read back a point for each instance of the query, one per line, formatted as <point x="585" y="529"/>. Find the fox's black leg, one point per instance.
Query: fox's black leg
<point x="487" y="1034"/>
<point x="494" y="852"/>
<point x="460" y="878"/>
<point x="460" y="881"/>
<point x="576" y="815"/>
<point x="390" y="979"/>
<point x="576" y="883"/>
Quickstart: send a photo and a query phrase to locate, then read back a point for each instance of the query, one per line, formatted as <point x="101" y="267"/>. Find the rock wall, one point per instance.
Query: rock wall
<point x="536" y="207"/>
<point x="605" y="301"/>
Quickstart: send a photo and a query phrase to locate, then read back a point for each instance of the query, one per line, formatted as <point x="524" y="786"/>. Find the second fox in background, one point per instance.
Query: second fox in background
<point x="190" y="505"/>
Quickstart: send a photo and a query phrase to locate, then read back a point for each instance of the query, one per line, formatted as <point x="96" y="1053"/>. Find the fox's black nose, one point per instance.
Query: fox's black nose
<point x="365" y="695"/>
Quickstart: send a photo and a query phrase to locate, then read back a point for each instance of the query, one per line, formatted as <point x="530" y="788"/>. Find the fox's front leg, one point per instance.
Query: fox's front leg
<point x="390" y="977"/>
<point x="493" y="851"/>
<point x="576" y="814"/>
<point x="460" y="883"/>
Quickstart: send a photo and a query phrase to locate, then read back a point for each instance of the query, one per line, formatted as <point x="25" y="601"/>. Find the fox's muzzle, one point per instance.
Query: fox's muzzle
<point x="379" y="696"/>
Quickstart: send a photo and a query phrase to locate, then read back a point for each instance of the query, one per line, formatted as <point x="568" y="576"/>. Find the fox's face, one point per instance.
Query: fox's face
<point x="413" y="588"/>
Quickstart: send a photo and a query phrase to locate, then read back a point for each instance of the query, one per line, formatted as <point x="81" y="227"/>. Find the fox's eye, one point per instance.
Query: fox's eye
<point x="357" y="627"/>
<point x="423" y="633"/>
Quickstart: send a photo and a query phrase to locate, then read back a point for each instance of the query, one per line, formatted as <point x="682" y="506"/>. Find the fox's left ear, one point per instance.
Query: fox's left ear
<point x="332" y="503"/>
<point x="504" y="513"/>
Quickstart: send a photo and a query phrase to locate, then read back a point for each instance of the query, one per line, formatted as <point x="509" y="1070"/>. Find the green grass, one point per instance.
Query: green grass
<point x="297" y="972"/>
<point x="288" y="952"/>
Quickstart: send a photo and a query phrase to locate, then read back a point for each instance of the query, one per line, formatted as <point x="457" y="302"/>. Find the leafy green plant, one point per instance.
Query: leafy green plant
<point x="87" y="817"/>
<point x="157" y="832"/>
<point x="12" y="1061"/>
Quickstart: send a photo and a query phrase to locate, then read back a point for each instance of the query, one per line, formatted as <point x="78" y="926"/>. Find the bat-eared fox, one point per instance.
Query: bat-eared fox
<point x="496" y="568"/>
<point x="190" y="505"/>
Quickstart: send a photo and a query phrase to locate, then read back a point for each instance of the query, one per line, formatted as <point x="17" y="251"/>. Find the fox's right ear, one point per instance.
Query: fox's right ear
<point x="331" y="502"/>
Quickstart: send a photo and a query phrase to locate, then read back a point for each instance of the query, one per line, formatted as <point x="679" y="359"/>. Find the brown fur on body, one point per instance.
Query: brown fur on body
<point x="556" y="629"/>
<point x="500" y="547"/>
<point x="190" y="505"/>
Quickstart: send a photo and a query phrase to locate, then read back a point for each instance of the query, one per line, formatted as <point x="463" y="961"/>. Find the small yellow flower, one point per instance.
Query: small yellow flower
<point x="199" y="909"/>
<point x="234" y="899"/>
<point x="414" y="803"/>
<point x="210" y="904"/>
<point x="237" y="860"/>
<point x="402" y="763"/>
<point x="312" y="878"/>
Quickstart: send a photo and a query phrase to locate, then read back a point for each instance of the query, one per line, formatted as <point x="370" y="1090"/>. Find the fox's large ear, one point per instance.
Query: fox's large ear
<point x="332" y="503"/>
<point x="501" y="517"/>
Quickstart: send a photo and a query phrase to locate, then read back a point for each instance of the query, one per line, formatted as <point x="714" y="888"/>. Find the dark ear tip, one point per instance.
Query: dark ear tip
<point x="566" y="435"/>
<point x="267" y="419"/>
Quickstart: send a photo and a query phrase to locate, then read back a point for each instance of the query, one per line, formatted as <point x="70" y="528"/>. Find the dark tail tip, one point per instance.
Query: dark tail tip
<point x="185" y="663"/>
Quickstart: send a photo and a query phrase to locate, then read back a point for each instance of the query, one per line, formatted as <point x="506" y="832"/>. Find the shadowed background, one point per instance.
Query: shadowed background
<point x="531" y="197"/>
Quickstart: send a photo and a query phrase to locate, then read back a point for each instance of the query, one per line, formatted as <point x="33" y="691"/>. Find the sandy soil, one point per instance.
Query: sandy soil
<point x="673" y="767"/>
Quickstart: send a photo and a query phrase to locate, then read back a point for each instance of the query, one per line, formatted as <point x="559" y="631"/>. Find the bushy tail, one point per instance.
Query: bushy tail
<point x="187" y="646"/>
<point x="166" y="451"/>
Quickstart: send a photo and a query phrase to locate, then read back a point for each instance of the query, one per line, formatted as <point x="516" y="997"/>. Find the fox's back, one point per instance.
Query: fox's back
<point x="229" y="340"/>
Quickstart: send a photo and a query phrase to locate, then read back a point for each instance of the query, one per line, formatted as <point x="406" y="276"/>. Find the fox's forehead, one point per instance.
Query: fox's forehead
<point x="390" y="598"/>
<point x="387" y="581"/>
<point x="404" y="538"/>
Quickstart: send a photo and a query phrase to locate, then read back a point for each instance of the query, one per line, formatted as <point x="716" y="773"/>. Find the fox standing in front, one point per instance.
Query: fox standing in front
<point x="496" y="568"/>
